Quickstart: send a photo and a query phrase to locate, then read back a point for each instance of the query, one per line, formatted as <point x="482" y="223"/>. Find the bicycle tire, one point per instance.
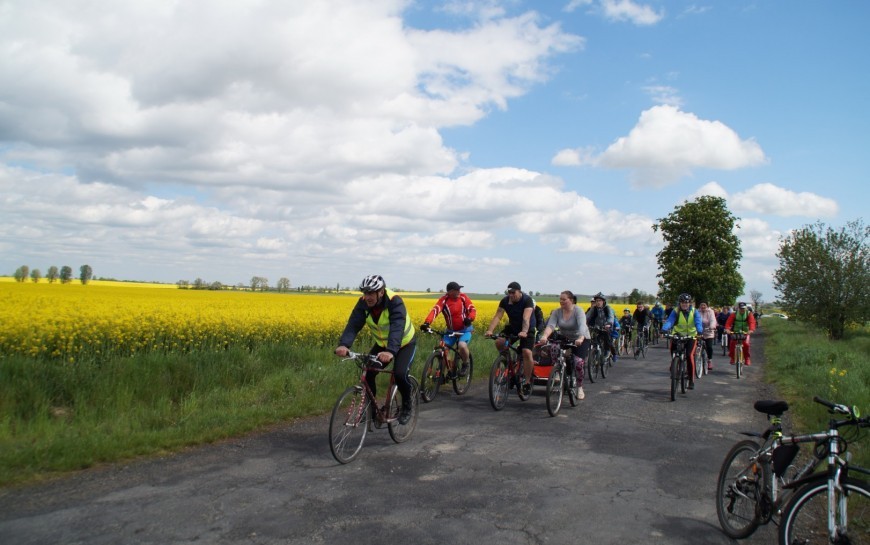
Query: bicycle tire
<point x="602" y="359"/>
<point x="499" y="383"/>
<point x="674" y="378"/>
<point x="349" y="424"/>
<point x="738" y="361"/>
<point x="432" y="376"/>
<point x="705" y="362"/>
<point x="699" y="369"/>
<point x="555" y="389"/>
<point x="738" y="509"/>
<point x="461" y="384"/>
<point x="684" y="375"/>
<point x="805" y="517"/>
<point x="401" y="432"/>
<point x="591" y="367"/>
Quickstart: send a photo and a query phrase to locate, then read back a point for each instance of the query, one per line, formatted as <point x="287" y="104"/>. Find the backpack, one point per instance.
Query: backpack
<point x="539" y="318"/>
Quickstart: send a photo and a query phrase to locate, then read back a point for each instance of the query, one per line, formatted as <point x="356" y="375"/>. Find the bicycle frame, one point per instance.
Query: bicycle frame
<point x="500" y="385"/>
<point x="380" y="412"/>
<point x="432" y="378"/>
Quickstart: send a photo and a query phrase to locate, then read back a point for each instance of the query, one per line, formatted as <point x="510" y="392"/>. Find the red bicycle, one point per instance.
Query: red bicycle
<point x="440" y="367"/>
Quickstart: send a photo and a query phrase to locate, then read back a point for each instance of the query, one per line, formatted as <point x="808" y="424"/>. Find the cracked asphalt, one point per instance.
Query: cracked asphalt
<point x="625" y="466"/>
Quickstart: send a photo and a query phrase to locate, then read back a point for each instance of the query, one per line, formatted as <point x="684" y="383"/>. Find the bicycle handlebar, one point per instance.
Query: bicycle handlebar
<point x="443" y="333"/>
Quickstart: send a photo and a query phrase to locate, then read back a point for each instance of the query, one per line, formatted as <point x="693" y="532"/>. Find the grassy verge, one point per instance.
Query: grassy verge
<point x="803" y="363"/>
<point x="56" y="417"/>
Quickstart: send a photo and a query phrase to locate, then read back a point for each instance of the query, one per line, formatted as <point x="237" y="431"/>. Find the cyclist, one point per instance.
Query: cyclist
<point x="741" y="321"/>
<point x="658" y="314"/>
<point x="721" y="319"/>
<point x="389" y="323"/>
<point x="571" y="323"/>
<point x="642" y="317"/>
<point x="626" y="323"/>
<point x="685" y="321"/>
<point x="520" y="310"/>
<point x="708" y="320"/>
<point x="600" y="315"/>
<point x="459" y="313"/>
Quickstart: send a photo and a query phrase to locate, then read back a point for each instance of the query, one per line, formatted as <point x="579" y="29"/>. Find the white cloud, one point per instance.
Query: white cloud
<point x="627" y="10"/>
<point x="666" y="144"/>
<point x="777" y="201"/>
<point x="664" y="94"/>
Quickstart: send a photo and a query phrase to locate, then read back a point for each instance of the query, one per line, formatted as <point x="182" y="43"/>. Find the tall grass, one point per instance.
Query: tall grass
<point x="803" y="363"/>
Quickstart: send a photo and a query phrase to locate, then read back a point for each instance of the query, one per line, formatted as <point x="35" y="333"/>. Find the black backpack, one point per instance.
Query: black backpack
<point x="539" y="318"/>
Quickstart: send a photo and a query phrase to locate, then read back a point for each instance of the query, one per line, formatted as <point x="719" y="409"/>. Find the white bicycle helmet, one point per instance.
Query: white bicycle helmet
<point x="372" y="282"/>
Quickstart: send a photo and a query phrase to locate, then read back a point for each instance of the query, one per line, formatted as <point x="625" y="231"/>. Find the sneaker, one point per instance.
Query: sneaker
<point x="709" y="367"/>
<point x="692" y="385"/>
<point x="527" y="389"/>
<point x="463" y="371"/>
<point x="405" y="415"/>
<point x="581" y="394"/>
<point x="615" y="358"/>
<point x="746" y="363"/>
<point x="731" y="362"/>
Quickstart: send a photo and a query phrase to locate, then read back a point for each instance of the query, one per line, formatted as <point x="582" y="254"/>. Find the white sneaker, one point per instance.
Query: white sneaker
<point x="581" y="394"/>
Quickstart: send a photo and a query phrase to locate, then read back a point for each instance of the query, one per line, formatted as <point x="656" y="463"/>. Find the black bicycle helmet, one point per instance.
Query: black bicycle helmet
<point x="372" y="282"/>
<point x="601" y="296"/>
<point x="685" y="298"/>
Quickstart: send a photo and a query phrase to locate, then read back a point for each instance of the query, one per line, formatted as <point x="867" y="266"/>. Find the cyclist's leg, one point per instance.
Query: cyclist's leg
<point x="691" y="345"/>
<point x="401" y="367"/>
<point x="746" y="350"/>
<point x="526" y="345"/>
<point x="732" y="345"/>
<point x="371" y="376"/>
<point x="708" y="344"/>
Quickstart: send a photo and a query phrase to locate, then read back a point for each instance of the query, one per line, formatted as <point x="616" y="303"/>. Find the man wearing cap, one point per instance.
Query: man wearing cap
<point x="741" y="321"/>
<point x="520" y="309"/>
<point x="459" y="313"/>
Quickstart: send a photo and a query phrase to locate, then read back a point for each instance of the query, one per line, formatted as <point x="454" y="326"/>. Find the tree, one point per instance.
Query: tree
<point x="85" y="274"/>
<point x="21" y="273"/>
<point x="701" y="253"/>
<point x="65" y="274"/>
<point x="52" y="274"/>
<point x="824" y="276"/>
<point x="755" y="296"/>
<point x="284" y="284"/>
<point x="35" y="275"/>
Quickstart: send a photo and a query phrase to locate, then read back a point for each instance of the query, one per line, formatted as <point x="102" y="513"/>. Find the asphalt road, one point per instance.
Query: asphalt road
<point x="625" y="466"/>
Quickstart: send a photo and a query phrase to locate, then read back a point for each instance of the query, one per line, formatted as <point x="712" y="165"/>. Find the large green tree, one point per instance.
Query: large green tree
<point x="701" y="253"/>
<point x="824" y="276"/>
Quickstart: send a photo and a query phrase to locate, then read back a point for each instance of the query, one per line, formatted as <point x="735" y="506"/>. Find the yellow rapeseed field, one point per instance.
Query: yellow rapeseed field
<point x="68" y="322"/>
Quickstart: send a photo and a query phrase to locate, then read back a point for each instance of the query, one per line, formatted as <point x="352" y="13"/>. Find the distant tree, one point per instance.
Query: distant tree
<point x="284" y="284"/>
<point x="215" y="286"/>
<point x="824" y="276"/>
<point x="701" y="254"/>
<point x="21" y="273"/>
<point x="635" y="296"/>
<point x="755" y="297"/>
<point x="85" y="273"/>
<point x="65" y="274"/>
<point x="199" y="284"/>
<point x="52" y="274"/>
<point x="183" y="284"/>
<point x="428" y="290"/>
<point x="35" y="275"/>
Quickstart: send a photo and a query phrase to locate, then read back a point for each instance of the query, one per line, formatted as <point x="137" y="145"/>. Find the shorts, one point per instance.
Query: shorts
<point x="450" y="340"/>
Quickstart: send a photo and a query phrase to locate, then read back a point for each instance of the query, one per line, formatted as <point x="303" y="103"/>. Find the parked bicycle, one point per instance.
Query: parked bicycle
<point x="756" y="480"/>
<point x="679" y="369"/>
<point x="506" y="373"/>
<point x="357" y="411"/>
<point x="440" y="367"/>
<point x="596" y="364"/>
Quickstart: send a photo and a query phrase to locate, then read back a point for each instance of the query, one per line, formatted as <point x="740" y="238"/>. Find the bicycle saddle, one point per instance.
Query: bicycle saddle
<point x="774" y="408"/>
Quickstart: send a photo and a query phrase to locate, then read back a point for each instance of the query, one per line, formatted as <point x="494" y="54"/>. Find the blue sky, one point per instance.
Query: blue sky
<point x="482" y="142"/>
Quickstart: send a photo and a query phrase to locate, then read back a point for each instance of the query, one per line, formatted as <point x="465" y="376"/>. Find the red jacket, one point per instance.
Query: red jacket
<point x="455" y="311"/>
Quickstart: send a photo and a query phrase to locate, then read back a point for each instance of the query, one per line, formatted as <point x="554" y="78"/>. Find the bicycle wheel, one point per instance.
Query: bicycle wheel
<point x="431" y="379"/>
<point x="738" y="360"/>
<point x="461" y="384"/>
<point x="724" y="345"/>
<point x="592" y="366"/>
<point x="603" y="361"/>
<point x="705" y="362"/>
<point x="684" y="375"/>
<point x="349" y="424"/>
<point x="699" y="369"/>
<point x="498" y="382"/>
<point x="737" y="491"/>
<point x="555" y="389"/>
<point x="643" y="346"/>
<point x="401" y="432"/>
<point x="675" y="377"/>
<point x="805" y="518"/>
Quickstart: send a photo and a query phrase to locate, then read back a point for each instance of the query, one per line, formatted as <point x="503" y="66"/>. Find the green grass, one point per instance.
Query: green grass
<point x="56" y="417"/>
<point x="803" y="363"/>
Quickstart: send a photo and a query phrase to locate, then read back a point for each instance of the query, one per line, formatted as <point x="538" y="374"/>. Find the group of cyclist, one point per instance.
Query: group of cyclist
<point x="385" y="315"/>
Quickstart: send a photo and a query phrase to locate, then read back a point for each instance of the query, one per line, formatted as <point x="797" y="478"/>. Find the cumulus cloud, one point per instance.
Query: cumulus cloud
<point x="667" y="143"/>
<point x="777" y="201"/>
<point x="620" y="11"/>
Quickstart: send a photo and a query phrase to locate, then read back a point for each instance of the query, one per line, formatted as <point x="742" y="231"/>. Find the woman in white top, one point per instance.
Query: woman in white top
<point x="570" y="321"/>
<point x="708" y="320"/>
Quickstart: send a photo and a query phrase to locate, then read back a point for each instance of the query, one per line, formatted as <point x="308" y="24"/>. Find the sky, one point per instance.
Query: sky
<point x="478" y="141"/>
